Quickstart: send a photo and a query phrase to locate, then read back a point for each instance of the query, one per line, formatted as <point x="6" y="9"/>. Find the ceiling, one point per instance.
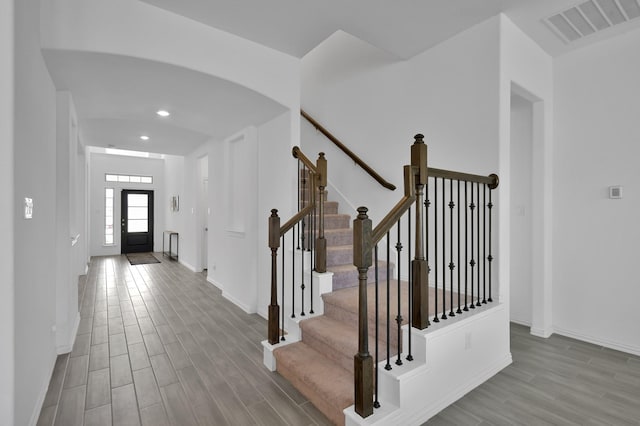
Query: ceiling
<point x="116" y="97"/>
<point x="401" y="27"/>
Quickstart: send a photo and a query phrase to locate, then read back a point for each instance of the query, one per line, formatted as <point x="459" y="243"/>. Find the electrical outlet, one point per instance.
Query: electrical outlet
<point x="28" y="208"/>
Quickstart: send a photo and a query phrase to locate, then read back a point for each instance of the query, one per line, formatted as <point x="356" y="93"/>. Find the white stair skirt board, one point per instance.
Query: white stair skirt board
<point x="451" y="358"/>
<point x="322" y="284"/>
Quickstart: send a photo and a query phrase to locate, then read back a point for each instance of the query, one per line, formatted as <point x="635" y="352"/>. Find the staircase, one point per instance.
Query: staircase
<point x="320" y="366"/>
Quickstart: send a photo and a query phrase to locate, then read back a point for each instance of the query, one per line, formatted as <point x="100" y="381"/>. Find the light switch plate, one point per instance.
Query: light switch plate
<point x="28" y="208"/>
<point x="615" y="192"/>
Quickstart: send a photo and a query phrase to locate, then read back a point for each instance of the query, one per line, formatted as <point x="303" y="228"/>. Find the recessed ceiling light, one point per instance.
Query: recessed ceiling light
<point x="163" y="113"/>
<point x="144" y="137"/>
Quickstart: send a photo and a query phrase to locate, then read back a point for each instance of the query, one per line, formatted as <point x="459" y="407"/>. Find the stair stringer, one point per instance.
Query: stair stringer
<point x="450" y="359"/>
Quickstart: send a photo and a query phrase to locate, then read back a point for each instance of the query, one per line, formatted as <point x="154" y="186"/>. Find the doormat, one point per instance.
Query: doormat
<point x="141" y="258"/>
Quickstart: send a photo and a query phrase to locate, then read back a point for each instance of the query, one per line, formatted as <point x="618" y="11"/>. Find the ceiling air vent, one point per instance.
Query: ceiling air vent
<point x="592" y="16"/>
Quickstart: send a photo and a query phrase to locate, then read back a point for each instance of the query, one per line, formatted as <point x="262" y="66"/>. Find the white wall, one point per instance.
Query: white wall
<point x="521" y="223"/>
<point x="277" y="180"/>
<point x="375" y="105"/>
<point x="105" y="163"/>
<point x="34" y="242"/>
<point x="595" y="241"/>
<point x="7" y="215"/>
<point x="174" y="185"/>
<point x="67" y="212"/>
<point x="527" y="69"/>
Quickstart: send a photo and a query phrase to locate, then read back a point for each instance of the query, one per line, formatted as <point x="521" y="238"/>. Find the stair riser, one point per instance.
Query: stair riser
<point x="339" y="237"/>
<point x="342" y="354"/>
<point x="340" y="314"/>
<point x="344" y="279"/>
<point x="342" y="256"/>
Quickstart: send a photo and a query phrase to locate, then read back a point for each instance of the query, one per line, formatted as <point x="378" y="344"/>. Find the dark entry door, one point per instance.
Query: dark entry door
<point x="137" y="221"/>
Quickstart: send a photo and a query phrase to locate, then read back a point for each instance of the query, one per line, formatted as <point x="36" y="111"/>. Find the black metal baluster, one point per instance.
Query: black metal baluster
<point x="399" y="316"/>
<point x="313" y="249"/>
<point x="452" y="265"/>
<point x="302" y="287"/>
<point x="478" y="241"/>
<point x="484" y="245"/>
<point x="388" y="365"/>
<point x="376" y="402"/>
<point x="472" y="206"/>
<point x="466" y="249"/>
<point x="459" y="311"/>
<point x="293" y="277"/>
<point x="444" y="253"/>
<point x="435" y="247"/>
<point x="299" y="202"/>
<point x="283" y="254"/>
<point x="490" y="253"/>
<point x="410" y="284"/>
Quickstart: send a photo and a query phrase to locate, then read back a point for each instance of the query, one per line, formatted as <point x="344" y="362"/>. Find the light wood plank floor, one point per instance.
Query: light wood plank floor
<point x="158" y="345"/>
<point x="554" y="381"/>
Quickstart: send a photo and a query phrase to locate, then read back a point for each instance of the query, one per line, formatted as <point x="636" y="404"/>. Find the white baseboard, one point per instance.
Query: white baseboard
<point x="37" y="408"/>
<point x="623" y="347"/>
<point x="215" y="283"/>
<point x="248" y="309"/>
<point x="68" y="347"/>
<point x="188" y="266"/>
<point x="541" y="332"/>
<point x="520" y="322"/>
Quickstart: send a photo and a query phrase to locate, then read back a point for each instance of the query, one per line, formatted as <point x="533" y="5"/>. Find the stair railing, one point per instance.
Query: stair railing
<point x="306" y="228"/>
<point x="434" y="232"/>
<point x="360" y="162"/>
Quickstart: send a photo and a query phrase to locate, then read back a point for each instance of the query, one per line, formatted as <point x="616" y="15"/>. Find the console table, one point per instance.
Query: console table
<point x="171" y="234"/>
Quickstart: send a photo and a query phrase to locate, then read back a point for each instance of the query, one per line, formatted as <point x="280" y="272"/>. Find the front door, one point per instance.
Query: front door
<point x="137" y="221"/>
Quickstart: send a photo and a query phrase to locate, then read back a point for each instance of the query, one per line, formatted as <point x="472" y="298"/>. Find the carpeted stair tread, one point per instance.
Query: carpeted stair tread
<point x="336" y="237"/>
<point x="345" y="276"/>
<point x="336" y="340"/>
<point x="328" y="386"/>
<point x="336" y="221"/>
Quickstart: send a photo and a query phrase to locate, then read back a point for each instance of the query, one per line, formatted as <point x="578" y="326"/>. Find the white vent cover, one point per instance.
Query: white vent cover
<point x="592" y="16"/>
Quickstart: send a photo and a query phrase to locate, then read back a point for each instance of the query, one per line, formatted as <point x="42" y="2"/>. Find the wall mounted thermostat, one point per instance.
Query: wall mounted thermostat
<point x="615" y="191"/>
<point x="28" y="208"/>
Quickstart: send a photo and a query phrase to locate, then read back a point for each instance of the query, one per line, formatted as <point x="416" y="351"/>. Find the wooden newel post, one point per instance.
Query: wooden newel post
<point x="419" y="265"/>
<point x="274" y="309"/>
<point x="363" y="363"/>
<point x="321" y="243"/>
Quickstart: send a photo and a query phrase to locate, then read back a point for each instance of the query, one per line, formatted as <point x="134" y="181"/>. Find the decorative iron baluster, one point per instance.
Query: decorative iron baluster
<point x="388" y="365"/>
<point x="293" y="275"/>
<point x="435" y="247"/>
<point x="302" y="254"/>
<point x="452" y="265"/>
<point x="478" y="241"/>
<point x="300" y="177"/>
<point x="410" y="283"/>
<point x="484" y="245"/>
<point x="472" y="206"/>
<point x="466" y="249"/>
<point x="490" y="253"/>
<point x="444" y="254"/>
<point x="283" y="280"/>
<point x="376" y="402"/>
<point x="459" y="311"/>
<point x="399" y="316"/>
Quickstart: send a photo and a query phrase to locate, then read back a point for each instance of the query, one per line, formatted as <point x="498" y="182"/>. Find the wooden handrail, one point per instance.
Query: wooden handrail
<point x="398" y="210"/>
<point x="347" y="151"/>
<point x="297" y="218"/>
<point x="492" y="180"/>
<point x="297" y="153"/>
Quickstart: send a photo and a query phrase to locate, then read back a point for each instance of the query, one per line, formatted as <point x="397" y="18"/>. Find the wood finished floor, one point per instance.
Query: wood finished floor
<point x="554" y="381"/>
<point x="158" y="345"/>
